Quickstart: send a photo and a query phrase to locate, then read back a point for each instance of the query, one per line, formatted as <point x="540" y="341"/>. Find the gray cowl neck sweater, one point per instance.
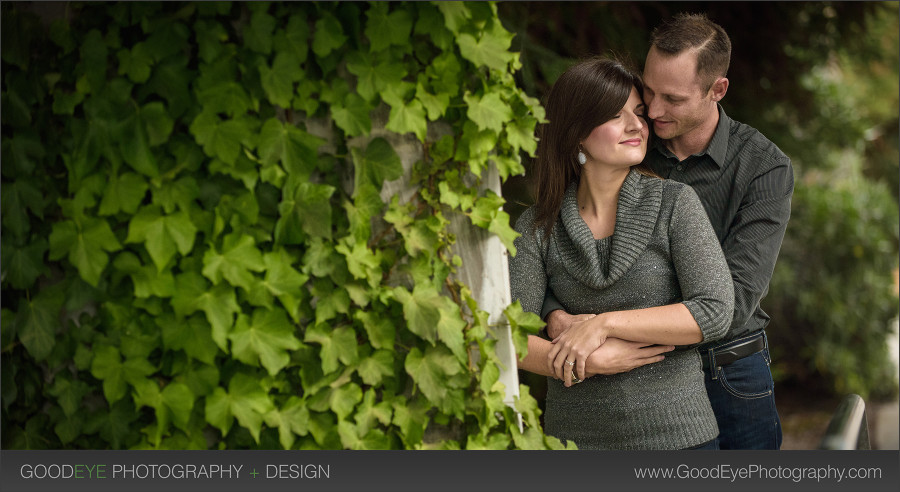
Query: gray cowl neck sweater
<point x="663" y="251"/>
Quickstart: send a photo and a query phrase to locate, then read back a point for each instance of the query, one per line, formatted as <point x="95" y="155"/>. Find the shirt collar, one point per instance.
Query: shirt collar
<point x="718" y="146"/>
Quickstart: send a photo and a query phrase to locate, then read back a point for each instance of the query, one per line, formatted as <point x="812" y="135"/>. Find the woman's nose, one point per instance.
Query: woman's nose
<point x="636" y="122"/>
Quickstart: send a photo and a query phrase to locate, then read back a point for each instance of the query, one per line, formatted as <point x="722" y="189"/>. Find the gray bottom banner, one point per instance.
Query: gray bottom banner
<point x="394" y="471"/>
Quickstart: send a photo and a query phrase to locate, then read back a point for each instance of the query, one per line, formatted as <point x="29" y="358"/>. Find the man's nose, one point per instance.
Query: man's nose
<point x="654" y="108"/>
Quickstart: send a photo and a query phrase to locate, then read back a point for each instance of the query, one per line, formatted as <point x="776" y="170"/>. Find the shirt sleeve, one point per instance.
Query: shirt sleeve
<point x="703" y="275"/>
<point x="754" y="238"/>
<point x="551" y="303"/>
<point x="527" y="275"/>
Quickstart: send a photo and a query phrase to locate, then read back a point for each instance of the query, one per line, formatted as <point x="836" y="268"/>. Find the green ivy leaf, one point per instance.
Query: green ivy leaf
<point x="522" y="324"/>
<point x="114" y="426"/>
<point x="500" y="226"/>
<point x="295" y="217"/>
<point x="385" y="29"/>
<point x="157" y="122"/>
<point x="456" y="15"/>
<point x="491" y="49"/>
<point x="239" y="257"/>
<point x="193" y="335"/>
<point x="136" y="63"/>
<point x="411" y="417"/>
<point x="380" y="329"/>
<point x="148" y="280"/>
<point x="361" y="261"/>
<point x="489" y="112"/>
<point x="124" y="193"/>
<point x="258" y="35"/>
<point x="245" y="400"/>
<point x="375" y="368"/>
<point x="202" y="379"/>
<point x="373" y="77"/>
<point x="294" y="38"/>
<point x="330" y="302"/>
<point x="64" y="103"/>
<point x="86" y="246"/>
<point x="307" y="96"/>
<point x="408" y="118"/>
<point x="116" y="374"/>
<point x="211" y="39"/>
<point x="421" y="309"/>
<point x="265" y="339"/>
<point x="344" y="398"/>
<point x="329" y="35"/>
<point x="296" y="150"/>
<point x="192" y="293"/>
<point x="435" y="105"/>
<point x="178" y="194"/>
<point x="352" y="115"/>
<point x="379" y="163"/>
<point x="37" y="322"/>
<point x="226" y="97"/>
<point x="430" y="22"/>
<point x="23" y="265"/>
<point x="278" y="81"/>
<point x="219" y="138"/>
<point x="366" y="204"/>
<point x="174" y="403"/>
<point x="337" y="345"/>
<point x="291" y="419"/>
<point x="134" y="145"/>
<point x="161" y="234"/>
<point x="283" y="281"/>
<point x="431" y="372"/>
<point x="450" y="329"/>
<point x="520" y="134"/>
<point x="16" y="199"/>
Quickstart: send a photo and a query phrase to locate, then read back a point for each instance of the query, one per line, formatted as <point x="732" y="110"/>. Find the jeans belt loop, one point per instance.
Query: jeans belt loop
<point x="713" y="370"/>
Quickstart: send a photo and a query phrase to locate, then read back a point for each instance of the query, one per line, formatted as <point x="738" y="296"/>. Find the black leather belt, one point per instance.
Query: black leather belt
<point x="730" y="353"/>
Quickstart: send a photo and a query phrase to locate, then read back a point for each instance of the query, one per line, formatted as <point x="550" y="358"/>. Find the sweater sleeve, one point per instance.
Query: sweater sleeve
<point x="527" y="275"/>
<point x="703" y="275"/>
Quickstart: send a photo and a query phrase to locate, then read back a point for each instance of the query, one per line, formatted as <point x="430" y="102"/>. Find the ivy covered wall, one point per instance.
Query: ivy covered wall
<point x="198" y="251"/>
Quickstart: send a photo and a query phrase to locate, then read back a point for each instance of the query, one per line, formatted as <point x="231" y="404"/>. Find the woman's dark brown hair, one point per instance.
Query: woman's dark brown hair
<point x="584" y="97"/>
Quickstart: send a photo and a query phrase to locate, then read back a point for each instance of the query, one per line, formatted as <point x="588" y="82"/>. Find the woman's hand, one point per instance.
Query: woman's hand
<point x="572" y="348"/>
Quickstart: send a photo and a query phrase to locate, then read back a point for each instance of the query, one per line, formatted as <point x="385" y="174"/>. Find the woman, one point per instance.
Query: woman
<point x="610" y="238"/>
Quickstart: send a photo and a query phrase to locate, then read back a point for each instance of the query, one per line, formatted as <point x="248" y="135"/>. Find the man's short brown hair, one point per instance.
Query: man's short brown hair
<point x="696" y="32"/>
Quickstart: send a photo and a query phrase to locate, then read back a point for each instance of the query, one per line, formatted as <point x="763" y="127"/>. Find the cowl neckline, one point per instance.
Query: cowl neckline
<point x="600" y="263"/>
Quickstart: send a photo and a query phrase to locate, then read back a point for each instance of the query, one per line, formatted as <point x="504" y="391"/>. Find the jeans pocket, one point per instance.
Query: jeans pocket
<point x="747" y="378"/>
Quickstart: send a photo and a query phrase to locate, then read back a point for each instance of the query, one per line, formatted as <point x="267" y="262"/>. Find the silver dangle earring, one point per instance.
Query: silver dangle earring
<point x="582" y="159"/>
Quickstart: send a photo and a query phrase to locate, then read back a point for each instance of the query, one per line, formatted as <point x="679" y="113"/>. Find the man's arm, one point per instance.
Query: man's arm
<point x="754" y="239"/>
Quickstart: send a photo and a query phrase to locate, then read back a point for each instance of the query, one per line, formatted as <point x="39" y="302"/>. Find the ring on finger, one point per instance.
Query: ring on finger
<point x="575" y="379"/>
<point x="571" y="363"/>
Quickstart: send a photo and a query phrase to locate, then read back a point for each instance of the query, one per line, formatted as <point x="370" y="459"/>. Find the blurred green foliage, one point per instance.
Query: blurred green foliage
<point x="820" y="79"/>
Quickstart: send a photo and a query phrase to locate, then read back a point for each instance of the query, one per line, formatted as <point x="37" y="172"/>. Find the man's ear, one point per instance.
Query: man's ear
<point x="719" y="88"/>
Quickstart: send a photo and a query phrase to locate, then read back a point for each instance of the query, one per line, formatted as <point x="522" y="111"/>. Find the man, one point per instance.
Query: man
<point x="745" y="183"/>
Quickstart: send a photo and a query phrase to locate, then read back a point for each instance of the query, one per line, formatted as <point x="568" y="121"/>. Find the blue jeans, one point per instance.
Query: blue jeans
<point x="708" y="446"/>
<point x="742" y="395"/>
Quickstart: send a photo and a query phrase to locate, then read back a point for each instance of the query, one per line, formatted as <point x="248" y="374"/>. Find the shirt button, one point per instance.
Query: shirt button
<point x="680" y="168"/>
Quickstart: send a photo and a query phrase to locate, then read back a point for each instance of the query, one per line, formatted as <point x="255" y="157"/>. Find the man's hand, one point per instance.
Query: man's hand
<point x="616" y="356"/>
<point x="559" y="321"/>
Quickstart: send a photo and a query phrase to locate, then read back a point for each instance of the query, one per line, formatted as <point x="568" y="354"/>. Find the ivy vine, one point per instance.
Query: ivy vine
<point x="198" y="252"/>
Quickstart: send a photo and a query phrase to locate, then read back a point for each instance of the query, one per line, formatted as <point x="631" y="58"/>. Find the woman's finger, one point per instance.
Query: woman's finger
<point x="580" y="369"/>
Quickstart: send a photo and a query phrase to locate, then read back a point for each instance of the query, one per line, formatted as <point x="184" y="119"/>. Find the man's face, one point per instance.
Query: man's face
<point x="676" y="99"/>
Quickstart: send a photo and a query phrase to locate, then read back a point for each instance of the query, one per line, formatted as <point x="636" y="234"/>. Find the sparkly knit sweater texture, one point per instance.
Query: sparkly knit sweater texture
<point x="663" y="251"/>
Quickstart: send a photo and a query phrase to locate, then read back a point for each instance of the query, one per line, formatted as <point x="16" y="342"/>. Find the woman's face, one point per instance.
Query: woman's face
<point x="621" y="141"/>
